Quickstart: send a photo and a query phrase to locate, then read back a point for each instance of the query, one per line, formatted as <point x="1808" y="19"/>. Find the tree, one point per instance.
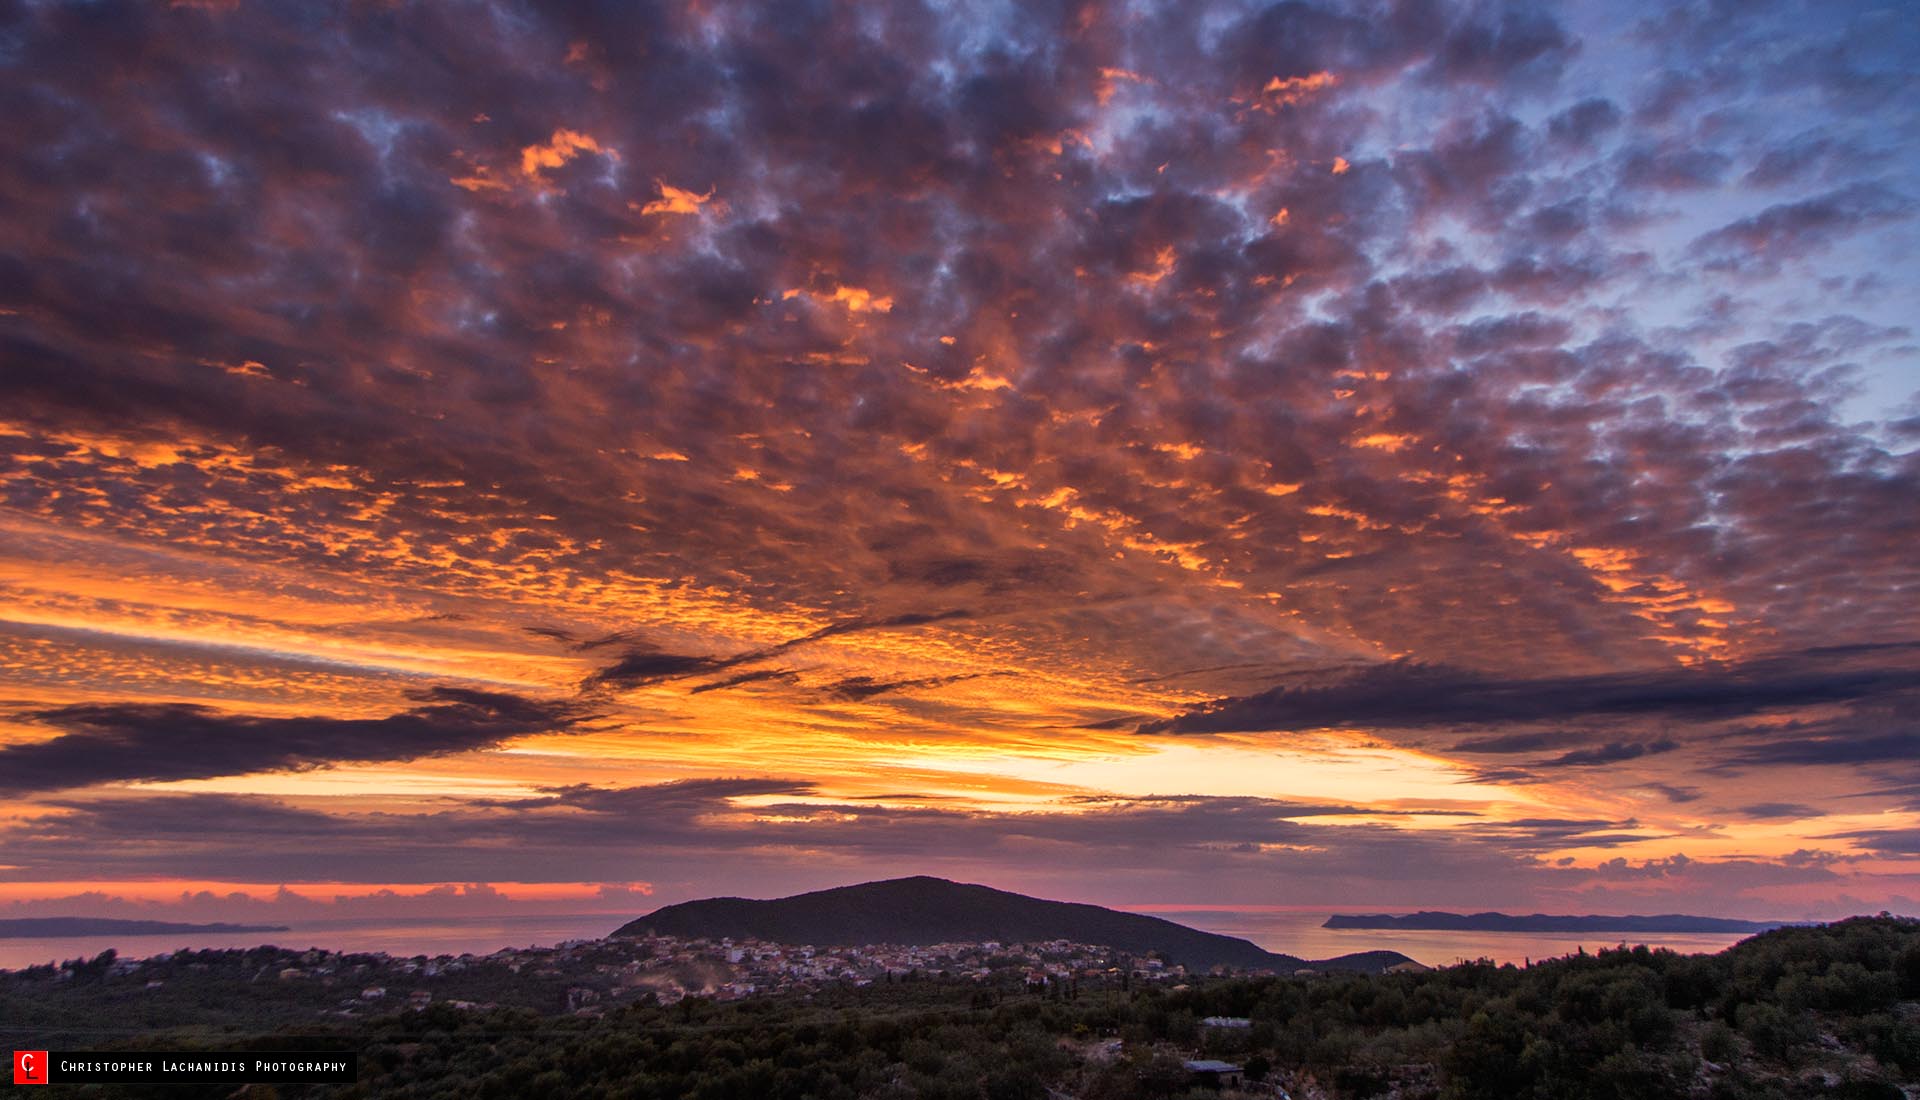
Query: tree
<point x="1258" y="1067"/>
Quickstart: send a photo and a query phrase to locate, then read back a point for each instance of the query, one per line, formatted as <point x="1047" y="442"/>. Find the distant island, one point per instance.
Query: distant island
<point x="1541" y="922"/>
<point x="924" y="910"/>
<point x="51" y="927"/>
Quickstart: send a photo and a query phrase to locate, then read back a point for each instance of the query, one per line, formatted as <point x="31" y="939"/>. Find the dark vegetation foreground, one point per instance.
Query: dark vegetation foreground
<point x="1829" y="1011"/>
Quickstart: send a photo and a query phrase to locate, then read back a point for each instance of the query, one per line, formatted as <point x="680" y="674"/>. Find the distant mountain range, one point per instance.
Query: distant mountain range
<point x="1541" y="922"/>
<point x="38" y="927"/>
<point x="924" y="910"/>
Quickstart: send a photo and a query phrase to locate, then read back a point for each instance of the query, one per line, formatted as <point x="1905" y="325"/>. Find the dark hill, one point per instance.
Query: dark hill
<point x="75" y="927"/>
<point x="924" y="910"/>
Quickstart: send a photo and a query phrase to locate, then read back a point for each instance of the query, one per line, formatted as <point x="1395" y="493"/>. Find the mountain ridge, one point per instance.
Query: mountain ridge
<point x="1429" y="920"/>
<point x="923" y="910"/>
<point x="79" y="927"/>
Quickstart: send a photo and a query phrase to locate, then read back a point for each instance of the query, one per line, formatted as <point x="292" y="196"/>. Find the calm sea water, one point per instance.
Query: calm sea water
<point x="1300" y="934"/>
<point x="1293" y="933"/>
<point x="422" y="936"/>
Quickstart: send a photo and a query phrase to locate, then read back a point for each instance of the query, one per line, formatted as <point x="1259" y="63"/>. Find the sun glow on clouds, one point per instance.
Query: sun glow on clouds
<point x="1294" y="89"/>
<point x="1073" y="456"/>
<point x="409" y="786"/>
<point x="1330" y="767"/>
<point x="562" y="147"/>
<point x="674" y="200"/>
<point x="855" y="299"/>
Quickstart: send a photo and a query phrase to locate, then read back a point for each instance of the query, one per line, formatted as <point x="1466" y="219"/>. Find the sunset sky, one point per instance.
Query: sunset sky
<point x="1373" y="456"/>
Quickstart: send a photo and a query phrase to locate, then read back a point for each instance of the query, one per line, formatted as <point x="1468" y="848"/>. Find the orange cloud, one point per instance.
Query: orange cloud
<point x="1110" y="80"/>
<point x="1383" y="441"/>
<point x="856" y="299"/>
<point x="1164" y="261"/>
<point x="564" y="146"/>
<point x="1286" y="93"/>
<point x="674" y="200"/>
<point x="480" y="180"/>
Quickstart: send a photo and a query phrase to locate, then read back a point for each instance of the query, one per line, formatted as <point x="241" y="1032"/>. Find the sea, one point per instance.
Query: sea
<point x="1301" y="934"/>
<point x="401" y="937"/>
<point x="1292" y="933"/>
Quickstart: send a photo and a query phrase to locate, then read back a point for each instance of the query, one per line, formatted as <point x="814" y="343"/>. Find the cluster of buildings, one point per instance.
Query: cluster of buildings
<point x="670" y="968"/>
<point x="593" y="977"/>
<point x="589" y="977"/>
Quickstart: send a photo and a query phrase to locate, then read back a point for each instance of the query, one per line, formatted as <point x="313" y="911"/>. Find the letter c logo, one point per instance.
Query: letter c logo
<point x="29" y="1067"/>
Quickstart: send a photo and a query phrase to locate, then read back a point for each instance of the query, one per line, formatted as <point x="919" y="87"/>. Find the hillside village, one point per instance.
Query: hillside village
<point x="589" y="978"/>
<point x="584" y="977"/>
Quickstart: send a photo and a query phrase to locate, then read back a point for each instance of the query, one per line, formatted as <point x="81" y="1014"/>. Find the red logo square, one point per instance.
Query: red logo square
<point x="29" y="1067"/>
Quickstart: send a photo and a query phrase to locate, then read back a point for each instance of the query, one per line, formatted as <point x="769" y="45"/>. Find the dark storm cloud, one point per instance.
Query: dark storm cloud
<point x="1403" y="695"/>
<point x="1837" y="743"/>
<point x="641" y="666"/>
<point x="1613" y="752"/>
<point x="857" y="626"/>
<point x="761" y="675"/>
<point x="1885" y="842"/>
<point x="1881" y="732"/>
<point x="858" y="688"/>
<point x="1768" y="811"/>
<point x="116" y="742"/>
